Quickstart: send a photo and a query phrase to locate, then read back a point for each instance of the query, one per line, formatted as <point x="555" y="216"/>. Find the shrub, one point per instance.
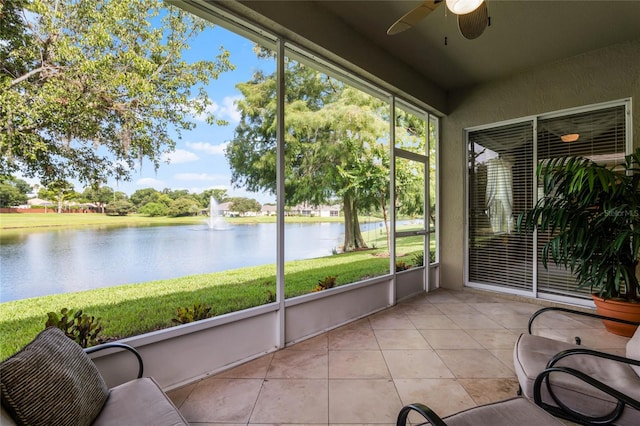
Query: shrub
<point x="197" y="313"/>
<point x="154" y="209"/>
<point x="402" y="266"/>
<point x="328" y="282"/>
<point x="119" y="208"/>
<point x="418" y="259"/>
<point x="79" y="327"/>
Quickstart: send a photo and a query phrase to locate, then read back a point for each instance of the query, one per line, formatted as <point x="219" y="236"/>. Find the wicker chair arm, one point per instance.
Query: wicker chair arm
<point x="423" y="410"/>
<point x="121" y="346"/>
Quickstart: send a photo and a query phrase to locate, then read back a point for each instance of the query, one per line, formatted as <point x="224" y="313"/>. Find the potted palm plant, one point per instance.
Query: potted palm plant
<point x="592" y="212"/>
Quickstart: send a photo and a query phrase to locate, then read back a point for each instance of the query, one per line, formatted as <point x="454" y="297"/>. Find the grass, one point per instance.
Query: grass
<point x="133" y="309"/>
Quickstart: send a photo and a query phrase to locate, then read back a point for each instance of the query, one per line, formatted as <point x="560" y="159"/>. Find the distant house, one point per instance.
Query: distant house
<point x="309" y="210"/>
<point x="224" y="209"/>
<point x="268" y="210"/>
<point x="40" y="202"/>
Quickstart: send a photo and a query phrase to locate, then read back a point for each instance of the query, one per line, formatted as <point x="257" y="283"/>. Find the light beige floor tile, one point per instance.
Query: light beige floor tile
<point x="474" y="321"/>
<point x="511" y="321"/>
<point x="507" y="308"/>
<point x="456" y="309"/>
<point x="473" y="364"/>
<point x="416" y="364"/>
<point x="317" y="343"/>
<point x="222" y="400"/>
<point x="401" y="339"/>
<point x="433" y="322"/>
<point x="505" y="356"/>
<point x="352" y="339"/>
<point x="391" y="321"/>
<point x="292" y="401"/>
<point x="444" y="297"/>
<point x="299" y="365"/>
<point x="444" y="396"/>
<point x="419" y="309"/>
<point x="358" y="383"/>
<point x="494" y="338"/>
<point x="178" y="396"/>
<point x="450" y="339"/>
<point x="484" y="391"/>
<point x="363" y="401"/>
<point x="256" y="369"/>
<point x="357" y="365"/>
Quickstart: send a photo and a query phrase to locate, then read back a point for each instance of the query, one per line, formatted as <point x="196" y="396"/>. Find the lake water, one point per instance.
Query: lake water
<point x="67" y="260"/>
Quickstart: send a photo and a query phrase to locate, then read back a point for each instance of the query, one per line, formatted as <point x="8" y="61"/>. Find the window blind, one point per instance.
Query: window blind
<point x="500" y="187"/>
<point x="601" y="136"/>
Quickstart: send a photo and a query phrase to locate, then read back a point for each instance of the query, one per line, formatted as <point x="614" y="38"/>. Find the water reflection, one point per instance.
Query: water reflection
<point x="69" y="260"/>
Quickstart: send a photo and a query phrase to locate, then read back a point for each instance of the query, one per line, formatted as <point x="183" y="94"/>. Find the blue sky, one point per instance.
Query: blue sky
<point x="198" y="162"/>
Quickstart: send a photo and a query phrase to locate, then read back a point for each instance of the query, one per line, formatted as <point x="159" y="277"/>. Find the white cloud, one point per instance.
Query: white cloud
<point x="179" y="156"/>
<point x="198" y="176"/>
<point x="151" y="183"/>
<point x="208" y="148"/>
<point x="225" y="110"/>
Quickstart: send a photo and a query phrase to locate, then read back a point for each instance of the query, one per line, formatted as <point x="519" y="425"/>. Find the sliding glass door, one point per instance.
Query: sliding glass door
<point x="502" y="182"/>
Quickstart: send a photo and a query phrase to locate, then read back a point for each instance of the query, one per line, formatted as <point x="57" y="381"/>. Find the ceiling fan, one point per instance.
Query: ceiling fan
<point x="473" y="16"/>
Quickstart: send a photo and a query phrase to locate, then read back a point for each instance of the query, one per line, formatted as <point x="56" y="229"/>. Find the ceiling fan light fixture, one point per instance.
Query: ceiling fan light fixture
<point x="462" y="7"/>
<point x="570" y="137"/>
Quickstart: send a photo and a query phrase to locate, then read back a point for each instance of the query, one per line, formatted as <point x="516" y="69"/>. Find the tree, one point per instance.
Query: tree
<point x="333" y="133"/>
<point x="154" y="209"/>
<point x="243" y="205"/>
<point x="185" y="206"/>
<point x="59" y="191"/>
<point x="143" y="196"/>
<point x="100" y="196"/>
<point x="119" y="208"/>
<point x="13" y="191"/>
<point x="88" y="89"/>
<point x="220" y="195"/>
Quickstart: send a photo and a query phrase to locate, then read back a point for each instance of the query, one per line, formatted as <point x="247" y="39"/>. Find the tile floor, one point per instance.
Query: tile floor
<point x="451" y="350"/>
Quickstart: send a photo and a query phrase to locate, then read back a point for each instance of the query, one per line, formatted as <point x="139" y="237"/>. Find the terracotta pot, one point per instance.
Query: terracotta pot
<point x="618" y="309"/>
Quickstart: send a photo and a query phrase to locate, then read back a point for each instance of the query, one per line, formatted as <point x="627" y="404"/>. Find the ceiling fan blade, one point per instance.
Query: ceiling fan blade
<point x="414" y="16"/>
<point x="472" y="24"/>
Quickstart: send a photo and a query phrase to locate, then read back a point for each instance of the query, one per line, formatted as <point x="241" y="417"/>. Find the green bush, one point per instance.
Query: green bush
<point x="119" y="208"/>
<point x="197" y="313"/>
<point x="328" y="282"/>
<point x="79" y="327"/>
<point x="154" y="210"/>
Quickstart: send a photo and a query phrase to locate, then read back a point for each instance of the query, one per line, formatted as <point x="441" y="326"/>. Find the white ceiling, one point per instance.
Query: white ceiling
<point x="523" y="34"/>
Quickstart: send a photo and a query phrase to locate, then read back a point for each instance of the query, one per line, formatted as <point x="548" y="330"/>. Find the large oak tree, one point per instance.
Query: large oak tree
<point x="88" y="90"/>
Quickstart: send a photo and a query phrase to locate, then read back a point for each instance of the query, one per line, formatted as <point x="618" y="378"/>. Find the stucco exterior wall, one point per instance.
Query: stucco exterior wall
<point x="603" y="75"/>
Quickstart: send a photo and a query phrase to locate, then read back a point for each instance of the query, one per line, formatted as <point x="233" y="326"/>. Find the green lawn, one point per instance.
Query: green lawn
<point x="133" y="309"/>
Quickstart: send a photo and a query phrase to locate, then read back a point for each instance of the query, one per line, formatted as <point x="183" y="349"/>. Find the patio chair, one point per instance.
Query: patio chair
<point x="511" y="412"/>
<point x="52" y="381"/>
<point x="575" y="383"/>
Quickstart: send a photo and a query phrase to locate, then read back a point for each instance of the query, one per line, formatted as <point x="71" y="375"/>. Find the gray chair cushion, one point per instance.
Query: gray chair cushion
<point x="51" y="381"/>
<point x="511" y="412"/>
<point x="531" y="355"/>
<point x="139" y="402"/>
<point x="633" y="349"/>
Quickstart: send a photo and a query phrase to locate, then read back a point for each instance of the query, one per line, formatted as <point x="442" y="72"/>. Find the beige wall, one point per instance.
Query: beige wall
<point x="599" y="76"/>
